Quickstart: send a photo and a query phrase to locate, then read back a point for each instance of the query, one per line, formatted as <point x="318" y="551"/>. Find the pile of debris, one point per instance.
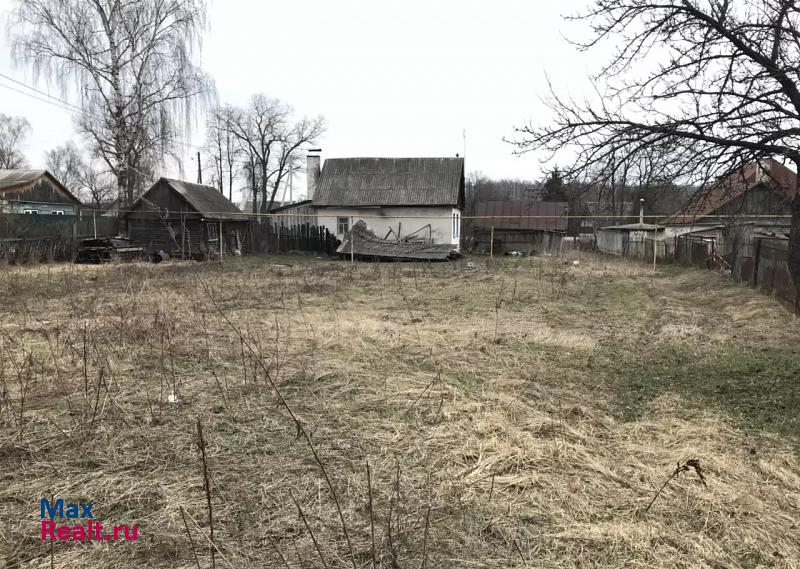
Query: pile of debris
<point x="364" y="244"/>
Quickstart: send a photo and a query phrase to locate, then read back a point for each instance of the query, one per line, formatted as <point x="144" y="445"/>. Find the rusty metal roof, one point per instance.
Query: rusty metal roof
<point x="391" y="182"/>
<point x="523" y="216"/>
<point x="368" y="245"/>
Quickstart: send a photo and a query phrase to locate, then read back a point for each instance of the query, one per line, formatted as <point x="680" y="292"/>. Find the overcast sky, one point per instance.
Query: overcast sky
<point x="392" y="79"/>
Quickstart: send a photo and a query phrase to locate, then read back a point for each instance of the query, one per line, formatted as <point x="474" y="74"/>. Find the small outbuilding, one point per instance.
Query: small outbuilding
<point x="532" y="228"/>
<point x="185" y="220"/>
<point x="630" y="240"/>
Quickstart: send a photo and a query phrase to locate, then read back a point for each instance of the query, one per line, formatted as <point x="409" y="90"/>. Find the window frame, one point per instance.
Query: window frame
<point x="211" y="232"/>
<point x="456" y="225"/>
<point x="342" y="221"/>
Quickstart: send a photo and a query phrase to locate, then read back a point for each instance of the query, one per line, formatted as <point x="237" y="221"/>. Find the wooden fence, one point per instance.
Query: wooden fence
<point x="269" y="237"/>
<point x="38" y="238"/>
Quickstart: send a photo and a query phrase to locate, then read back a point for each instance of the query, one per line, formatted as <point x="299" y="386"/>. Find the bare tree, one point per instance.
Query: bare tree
<point x="223" y="147"/>
<point x="13" y="131"/>
<point x="132" y="64"/>
<point x="715" y="79"/>
<point x="271" y="144"/>
<point x="66" y="163"/>
<point x="98" y="185"/>
<point x="82" y="176"/>
<point x="305" y="131"/>
<point x="259" y="129"/>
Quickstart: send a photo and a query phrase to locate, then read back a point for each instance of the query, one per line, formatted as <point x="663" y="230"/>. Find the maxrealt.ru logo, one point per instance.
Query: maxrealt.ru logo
<point x="88" y="530"/>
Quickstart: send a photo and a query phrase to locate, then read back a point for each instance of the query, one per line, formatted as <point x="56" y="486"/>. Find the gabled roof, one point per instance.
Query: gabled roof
<point x="519" y="215"/>
<point x="769" y="173"/>
<point x="205" y="200"/>
<point x="391" y="182"/>
<point x="11" y="180"/>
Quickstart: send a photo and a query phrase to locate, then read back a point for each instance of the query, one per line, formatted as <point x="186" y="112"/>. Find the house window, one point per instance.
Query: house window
<point x="342" y="225"/>
<point x="212" y="231"/>
<point x="31" y="211"/>
<point x="456" y="225"/>
<point x="57" y="212"/>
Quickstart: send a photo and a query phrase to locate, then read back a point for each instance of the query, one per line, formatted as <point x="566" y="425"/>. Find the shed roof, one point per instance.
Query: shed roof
<point x="519" y="215"/>
<point x="206" y="200"/>
<point x="13" y="179"/>
<point x="770" y="173"/>
<point x="365" y="244"/>
<point x="391" y="182"/>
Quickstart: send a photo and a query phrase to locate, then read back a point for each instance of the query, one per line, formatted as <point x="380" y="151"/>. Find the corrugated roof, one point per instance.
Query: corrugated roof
<point x="368" y="245"/>
<point x="770" y="173"/>
<point x="206" y="200"/>
<point x="524" y="216"/>
<point x="391" y="181"/>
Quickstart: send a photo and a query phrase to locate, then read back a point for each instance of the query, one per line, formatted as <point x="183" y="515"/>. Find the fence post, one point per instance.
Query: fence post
<point x="94" y="222"/>
<point x="655" y="251"/>
<point x="756" y="262"/>
<point x="491" y="244"/>
<point x="352" y="241"/>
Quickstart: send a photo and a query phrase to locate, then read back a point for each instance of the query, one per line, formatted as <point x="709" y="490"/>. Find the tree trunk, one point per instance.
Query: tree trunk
<point x="255" y="189"/>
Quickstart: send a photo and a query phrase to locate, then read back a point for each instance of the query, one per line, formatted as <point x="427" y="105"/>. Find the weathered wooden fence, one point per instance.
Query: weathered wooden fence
<point x="37" y="238"/>
<point x="768" y="270"/>
<point x="270" y="237"/>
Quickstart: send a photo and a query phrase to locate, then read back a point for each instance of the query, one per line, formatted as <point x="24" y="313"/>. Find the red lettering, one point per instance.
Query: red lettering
<point x="79" y="533"/>
<point x="117" y="529"/>
<point x="64" y="533"/>
<point x="135" y="533"/>
<point x="47" y="529"/>
<point x="97" y="529"/>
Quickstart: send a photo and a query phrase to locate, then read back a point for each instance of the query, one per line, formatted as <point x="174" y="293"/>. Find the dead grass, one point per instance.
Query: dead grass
<point x="516" y="413"/>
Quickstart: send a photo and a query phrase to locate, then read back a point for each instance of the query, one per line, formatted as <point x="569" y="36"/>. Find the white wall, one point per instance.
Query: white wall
<point x="402" y="220"/>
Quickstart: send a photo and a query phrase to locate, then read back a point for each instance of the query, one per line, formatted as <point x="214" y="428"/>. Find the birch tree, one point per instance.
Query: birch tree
<point x="131" y="64"/>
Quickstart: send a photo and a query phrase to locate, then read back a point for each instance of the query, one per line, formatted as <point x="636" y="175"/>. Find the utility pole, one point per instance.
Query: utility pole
<point x="199" y="170"/>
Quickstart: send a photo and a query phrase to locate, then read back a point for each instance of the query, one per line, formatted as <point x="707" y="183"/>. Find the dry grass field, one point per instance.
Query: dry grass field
<point x="515" y="413"/>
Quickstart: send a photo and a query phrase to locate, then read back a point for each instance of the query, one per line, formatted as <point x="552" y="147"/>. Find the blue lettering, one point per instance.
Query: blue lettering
<point x="54" y="509"/>
<point x="72" y="511"/>
<point x="86" y="510"/>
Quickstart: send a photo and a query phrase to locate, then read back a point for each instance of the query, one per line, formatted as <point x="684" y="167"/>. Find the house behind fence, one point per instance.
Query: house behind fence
<point x="529" y="227"/>
<point x="185" y="220"/>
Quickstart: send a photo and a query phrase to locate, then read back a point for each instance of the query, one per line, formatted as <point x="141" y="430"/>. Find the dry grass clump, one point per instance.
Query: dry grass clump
<point x="390" y="416"/>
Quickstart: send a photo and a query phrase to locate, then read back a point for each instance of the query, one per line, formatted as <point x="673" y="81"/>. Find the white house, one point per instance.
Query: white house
<point x="398" y="198"/>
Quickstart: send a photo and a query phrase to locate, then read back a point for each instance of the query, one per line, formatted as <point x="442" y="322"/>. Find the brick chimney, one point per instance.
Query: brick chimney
<point x="313" y="160"/>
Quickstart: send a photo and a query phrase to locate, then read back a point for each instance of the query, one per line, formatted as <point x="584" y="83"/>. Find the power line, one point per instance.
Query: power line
<point x="35" y="90"/>
<point x="67" y="106"/>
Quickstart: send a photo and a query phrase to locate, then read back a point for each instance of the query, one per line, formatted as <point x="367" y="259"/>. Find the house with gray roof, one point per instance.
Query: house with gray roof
<point x="402" y="199"/>
<point x="35" y="192"/>
<point x="185" y="219"/>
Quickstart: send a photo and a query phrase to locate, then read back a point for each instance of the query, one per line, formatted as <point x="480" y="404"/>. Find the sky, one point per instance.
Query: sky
<point x="391" y="79"/>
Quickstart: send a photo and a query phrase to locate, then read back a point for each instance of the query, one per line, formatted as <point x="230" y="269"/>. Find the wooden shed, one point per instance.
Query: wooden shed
<point x="185" y="220"/>
<point x="532" y="228"/>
